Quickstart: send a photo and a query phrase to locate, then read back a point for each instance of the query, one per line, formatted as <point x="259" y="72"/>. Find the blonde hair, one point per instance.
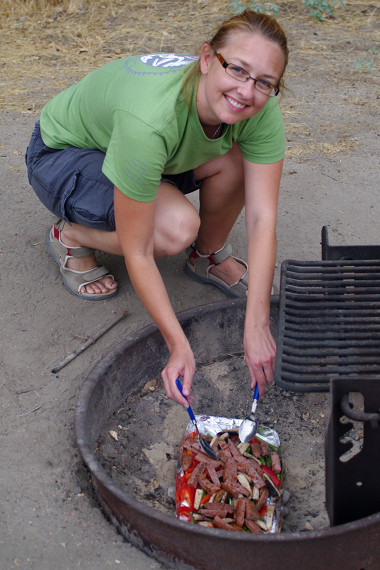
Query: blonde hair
<point x="247" y="21"/>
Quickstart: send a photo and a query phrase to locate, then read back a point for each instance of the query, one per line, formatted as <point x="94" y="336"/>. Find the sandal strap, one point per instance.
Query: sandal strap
<point x="78" y="279"/>
<point x="72" y="251"/>
<point x="216" y="257"/>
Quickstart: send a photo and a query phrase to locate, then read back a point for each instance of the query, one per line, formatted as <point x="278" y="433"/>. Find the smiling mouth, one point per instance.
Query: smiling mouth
<point x="235" y="104"/>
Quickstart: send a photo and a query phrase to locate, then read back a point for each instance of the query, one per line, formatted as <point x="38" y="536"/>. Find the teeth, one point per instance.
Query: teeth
<point x="235" y="103"/>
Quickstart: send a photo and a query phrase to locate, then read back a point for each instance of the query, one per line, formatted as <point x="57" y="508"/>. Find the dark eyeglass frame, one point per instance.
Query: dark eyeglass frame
<point x="246" y="76"/>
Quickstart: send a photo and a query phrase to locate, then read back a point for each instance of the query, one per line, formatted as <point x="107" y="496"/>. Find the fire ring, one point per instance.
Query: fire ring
<point x="176" y="544"/>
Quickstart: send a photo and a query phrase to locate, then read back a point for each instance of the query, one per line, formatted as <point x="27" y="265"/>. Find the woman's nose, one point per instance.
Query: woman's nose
<point x="247" y="89"/>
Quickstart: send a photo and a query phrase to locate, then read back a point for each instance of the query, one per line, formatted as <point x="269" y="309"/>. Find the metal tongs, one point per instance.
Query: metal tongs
<point x="204" y="444"/>
<point x="248" y="427"/>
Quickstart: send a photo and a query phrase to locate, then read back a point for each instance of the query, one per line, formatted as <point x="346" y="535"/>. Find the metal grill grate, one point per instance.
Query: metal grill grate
<point x="329" y="323"/>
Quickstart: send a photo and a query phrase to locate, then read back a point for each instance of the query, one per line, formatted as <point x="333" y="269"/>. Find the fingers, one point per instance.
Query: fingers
<point x="172" y="391"/>
<point x="260" y="356"/>
<point x="261" y="374"/>
<point x="174" y="369"/>
<point x="186" y="384"/>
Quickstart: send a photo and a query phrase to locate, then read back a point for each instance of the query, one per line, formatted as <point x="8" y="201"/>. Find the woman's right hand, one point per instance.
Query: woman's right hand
<point x="181" y="364"/>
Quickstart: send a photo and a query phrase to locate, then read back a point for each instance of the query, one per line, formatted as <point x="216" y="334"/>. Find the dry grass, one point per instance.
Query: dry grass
<point x="49" y="44"/>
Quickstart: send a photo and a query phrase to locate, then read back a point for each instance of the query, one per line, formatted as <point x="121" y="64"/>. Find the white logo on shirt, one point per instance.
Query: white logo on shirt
<point x="167" y="59"/>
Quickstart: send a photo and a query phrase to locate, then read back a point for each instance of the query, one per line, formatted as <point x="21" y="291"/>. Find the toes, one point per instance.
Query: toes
<point x="109" y="283"/>
<point x="99" y="287"/>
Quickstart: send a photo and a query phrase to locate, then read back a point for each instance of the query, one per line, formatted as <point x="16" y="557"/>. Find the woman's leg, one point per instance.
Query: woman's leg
<point x="221" y="201"/>
<point x="176" y="226"/>
<point x="70" y="183"/>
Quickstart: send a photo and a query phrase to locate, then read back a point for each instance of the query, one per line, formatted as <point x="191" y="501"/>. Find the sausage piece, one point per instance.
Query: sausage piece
<point x="194" y="477"/>
<point x="276" y="462"/>
<point x="240" y="512"/>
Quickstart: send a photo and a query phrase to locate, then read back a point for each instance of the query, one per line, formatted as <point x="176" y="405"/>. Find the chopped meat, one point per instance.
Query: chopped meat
<point x="194" y="477"/>
<point x="219" y="523"/>
<point x="246" y="466"/>
<point x="255" y="446"/>
<point x="276" y="463"/>
<point x="186" y="459"/>
<point x="230" y="471"/>
<point x="203" y="458"/>
<point x="233" y="449"/>
<point x="253" y="527"/>
<point x="235" y="489"/>
<point x="240" y="512"/>
<point x="224" y="447"/>
<point x="191" y="444"/>
<point x="264" y="448"/>
<point x="216" y="509"/>
<point x="208" y="486"/>
<point x="251" y="511"/>
<point x="213" y="475"/>
<point x="264" y="494"/>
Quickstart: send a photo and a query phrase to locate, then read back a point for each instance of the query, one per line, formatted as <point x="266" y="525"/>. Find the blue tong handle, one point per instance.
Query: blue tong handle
<point x="190" y="411"/>
<point x="256" y="396"/>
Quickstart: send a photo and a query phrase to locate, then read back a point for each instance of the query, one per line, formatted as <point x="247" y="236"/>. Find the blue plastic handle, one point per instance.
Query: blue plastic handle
<point x="190" y="411"/>
<point x="256" y="393"/>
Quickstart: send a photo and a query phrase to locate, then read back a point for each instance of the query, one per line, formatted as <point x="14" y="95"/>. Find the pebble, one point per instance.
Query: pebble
<point x="308" y="526"/>
<point x="285" y="497"/>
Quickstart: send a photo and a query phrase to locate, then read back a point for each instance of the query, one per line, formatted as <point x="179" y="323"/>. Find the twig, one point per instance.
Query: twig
<point x="30" y="412"/>
<point x="88" y="343"/>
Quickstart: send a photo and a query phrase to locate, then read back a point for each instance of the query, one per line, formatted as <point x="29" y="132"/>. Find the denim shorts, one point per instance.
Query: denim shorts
<point x="71" y="184"/>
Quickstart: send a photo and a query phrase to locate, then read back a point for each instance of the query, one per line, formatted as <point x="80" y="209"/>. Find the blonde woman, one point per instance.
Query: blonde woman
<point x="114" y="156"/>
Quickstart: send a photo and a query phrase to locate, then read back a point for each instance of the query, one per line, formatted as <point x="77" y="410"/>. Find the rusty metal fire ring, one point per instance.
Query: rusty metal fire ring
<point x="178" y="544"/>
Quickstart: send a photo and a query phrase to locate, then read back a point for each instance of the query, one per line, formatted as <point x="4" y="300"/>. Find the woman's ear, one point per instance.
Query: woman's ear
<point x="206" y="55"/>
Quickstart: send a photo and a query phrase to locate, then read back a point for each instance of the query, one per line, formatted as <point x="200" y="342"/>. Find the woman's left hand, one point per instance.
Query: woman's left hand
<point x="260" y="355"/>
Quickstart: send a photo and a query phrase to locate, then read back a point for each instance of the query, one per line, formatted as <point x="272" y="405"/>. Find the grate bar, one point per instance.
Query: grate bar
<point x="329" y="322"/>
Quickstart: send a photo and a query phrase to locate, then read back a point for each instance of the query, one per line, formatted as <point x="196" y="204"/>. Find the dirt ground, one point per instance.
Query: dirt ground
<point x="49" y="516"/>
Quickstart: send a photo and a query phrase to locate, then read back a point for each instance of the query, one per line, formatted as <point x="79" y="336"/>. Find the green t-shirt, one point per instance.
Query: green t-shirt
<point x="133" y="109"/>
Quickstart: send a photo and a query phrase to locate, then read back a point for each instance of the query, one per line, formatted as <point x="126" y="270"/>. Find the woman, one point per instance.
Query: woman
<point x="114" y="156"/>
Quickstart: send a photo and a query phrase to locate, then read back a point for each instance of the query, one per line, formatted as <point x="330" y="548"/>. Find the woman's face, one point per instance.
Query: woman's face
<point x="223" y="99"/>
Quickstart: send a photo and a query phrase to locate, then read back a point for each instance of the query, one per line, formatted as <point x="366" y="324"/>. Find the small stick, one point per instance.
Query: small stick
<point x="86" y="344"/>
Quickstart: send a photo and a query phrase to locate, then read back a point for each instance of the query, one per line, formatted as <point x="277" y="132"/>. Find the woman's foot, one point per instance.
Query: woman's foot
<point x="101" y="286"/>
<point x="81" y="274"/>
<point x="228" y="273"/>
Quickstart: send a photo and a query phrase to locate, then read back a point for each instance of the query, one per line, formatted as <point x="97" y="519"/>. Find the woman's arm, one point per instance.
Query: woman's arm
<point x="262" y="182"/>
<point x="135" y="231"/>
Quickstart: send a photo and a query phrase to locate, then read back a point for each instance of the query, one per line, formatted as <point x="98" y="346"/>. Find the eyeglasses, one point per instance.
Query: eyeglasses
<point x="242" y="75"/>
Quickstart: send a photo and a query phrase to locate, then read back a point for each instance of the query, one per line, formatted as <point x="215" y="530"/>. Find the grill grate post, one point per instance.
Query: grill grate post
<point x="352" y="486"/>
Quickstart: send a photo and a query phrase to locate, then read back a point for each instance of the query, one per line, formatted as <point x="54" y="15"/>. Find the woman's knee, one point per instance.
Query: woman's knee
<point x="177" y="223"/>
<point x="180" y="233"/>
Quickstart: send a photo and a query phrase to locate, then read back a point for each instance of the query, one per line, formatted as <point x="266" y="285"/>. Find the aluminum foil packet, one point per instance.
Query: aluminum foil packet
<point x="253" y="503"/>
